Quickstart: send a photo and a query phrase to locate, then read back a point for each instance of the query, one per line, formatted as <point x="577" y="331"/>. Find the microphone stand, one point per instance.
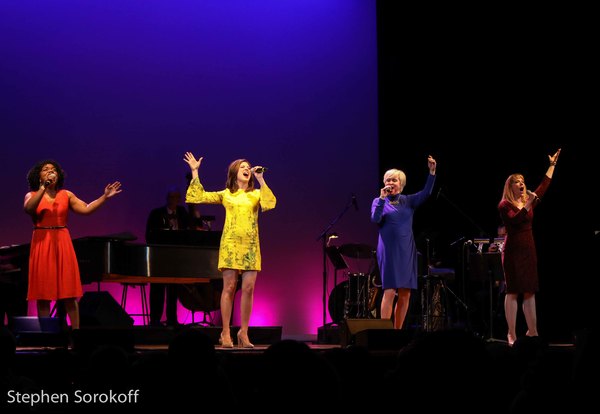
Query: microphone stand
<point x="462" y="213"/>
<point x="463" y="266"/>
<point x="324" y="238"/>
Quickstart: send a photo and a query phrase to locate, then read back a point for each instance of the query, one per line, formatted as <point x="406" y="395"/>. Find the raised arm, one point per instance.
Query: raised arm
<point x="32" y="200"/>
<point x="81" y="207"/>
<point x="553" y="159"/>
<point x="267" y="198"/>
<point x="193" y="163"/>
<point x="431" y="164"/>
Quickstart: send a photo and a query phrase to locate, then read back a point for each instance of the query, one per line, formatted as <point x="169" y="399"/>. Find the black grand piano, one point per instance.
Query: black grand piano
<point x="188" y="258"/>
<point x="14" y="265"/>
<point x="171" y="256"/>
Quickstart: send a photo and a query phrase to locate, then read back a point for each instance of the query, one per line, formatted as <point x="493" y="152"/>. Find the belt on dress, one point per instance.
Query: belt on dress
<point x="49" y="227"/>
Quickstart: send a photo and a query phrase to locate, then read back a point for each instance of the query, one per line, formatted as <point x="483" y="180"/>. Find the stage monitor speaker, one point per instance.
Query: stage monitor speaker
<point x="356" y="325"/>
<point x="100" y="309"/>
<point x="350" y="327"/>
<point x="375" y="334"/>
<point x="35" y="324"/>
<point x="38" y="331"/>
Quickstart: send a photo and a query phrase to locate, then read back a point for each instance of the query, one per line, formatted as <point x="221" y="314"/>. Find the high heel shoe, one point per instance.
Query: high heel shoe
<point x="225" y="342"/>
<point x="243" y="341"/>
<point x="510" y="339"/>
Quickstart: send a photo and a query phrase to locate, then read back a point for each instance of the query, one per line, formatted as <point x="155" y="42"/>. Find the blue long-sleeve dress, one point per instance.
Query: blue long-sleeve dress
<point x="396" y="249"/>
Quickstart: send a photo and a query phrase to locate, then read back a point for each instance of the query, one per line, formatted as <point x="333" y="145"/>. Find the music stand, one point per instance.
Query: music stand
<point x="337" y="260"/>
<point x="324" y="237"/>
<point x="339" y="263"/>
<point x="487" y="267"/>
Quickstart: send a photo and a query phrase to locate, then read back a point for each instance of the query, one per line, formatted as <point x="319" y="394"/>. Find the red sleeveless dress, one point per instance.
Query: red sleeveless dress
<point x="53" y="268"/>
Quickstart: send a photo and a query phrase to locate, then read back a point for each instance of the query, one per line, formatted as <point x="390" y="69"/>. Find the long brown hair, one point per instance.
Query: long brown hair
<point x="232" y="172"/>
<point x="507" y="193"/>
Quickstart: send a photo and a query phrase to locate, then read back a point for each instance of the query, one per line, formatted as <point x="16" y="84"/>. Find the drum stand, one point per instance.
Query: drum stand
<point x="360" y="302"/>
<point x="434" y="297"/>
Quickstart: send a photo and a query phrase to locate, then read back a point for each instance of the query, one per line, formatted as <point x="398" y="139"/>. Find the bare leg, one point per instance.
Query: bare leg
<point x="229" y="284"/>
<point x="510" y="310"/>
<point x="387" y="303"/>
<point x="401" y="307"/>
<point x="248" y="282"/>
<point x="72" y="308"/>
<point x="43" y="308"/>
<point x="530" y="314"/>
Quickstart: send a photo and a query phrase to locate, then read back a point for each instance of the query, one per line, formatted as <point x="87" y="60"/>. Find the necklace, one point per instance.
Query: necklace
<point x="394" y="201"/>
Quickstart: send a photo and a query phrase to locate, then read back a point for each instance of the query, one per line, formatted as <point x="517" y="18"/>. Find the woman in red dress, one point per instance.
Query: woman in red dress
<point x="519" y="257"/>
<point x="53" y="268"/>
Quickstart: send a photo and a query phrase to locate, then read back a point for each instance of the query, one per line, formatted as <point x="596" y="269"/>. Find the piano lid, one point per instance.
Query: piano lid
<point x="166" y="261"/>
<point x="124" y="236"/>
<point x="185" y="237"/>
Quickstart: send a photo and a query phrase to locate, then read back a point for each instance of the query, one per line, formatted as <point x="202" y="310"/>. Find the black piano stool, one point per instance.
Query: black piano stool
<point x="144" y="299"/>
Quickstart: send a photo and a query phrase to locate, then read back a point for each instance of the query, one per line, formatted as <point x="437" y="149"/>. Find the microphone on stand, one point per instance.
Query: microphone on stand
<point x="459" y="240"/>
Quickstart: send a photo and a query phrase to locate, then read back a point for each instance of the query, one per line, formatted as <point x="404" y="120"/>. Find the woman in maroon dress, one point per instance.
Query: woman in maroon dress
<point x="519" y="257"/>
<point x="53" y="268"/>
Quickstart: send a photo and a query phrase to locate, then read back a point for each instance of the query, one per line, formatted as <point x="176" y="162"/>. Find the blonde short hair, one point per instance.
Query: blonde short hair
<point x="398" y="173"/>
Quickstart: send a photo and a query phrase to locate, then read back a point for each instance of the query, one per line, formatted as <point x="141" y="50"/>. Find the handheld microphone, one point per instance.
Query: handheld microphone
<point x="388" y="189"/>
<point x="531" y="193"/>
<point x="260" y="170"/>
<point x="50" y="180"/>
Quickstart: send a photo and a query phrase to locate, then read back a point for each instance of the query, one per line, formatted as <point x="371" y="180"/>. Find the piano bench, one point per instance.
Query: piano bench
<point x="143" y="297"/>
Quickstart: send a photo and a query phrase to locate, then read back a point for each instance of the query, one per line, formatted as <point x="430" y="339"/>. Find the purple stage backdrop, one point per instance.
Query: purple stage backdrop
<point x="120" y="90"/>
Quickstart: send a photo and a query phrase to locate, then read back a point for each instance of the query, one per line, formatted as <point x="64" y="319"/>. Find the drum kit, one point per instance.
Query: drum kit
<point x="358" y="296"/>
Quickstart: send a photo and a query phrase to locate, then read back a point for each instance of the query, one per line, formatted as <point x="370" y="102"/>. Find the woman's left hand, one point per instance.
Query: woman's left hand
<point x="431" y="164"/>
<point x="112" y="189"/>
<point x="554" y="158"/>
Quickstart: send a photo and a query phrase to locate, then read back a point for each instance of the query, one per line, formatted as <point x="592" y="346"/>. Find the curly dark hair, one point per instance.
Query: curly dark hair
<point x="33" y="176"/>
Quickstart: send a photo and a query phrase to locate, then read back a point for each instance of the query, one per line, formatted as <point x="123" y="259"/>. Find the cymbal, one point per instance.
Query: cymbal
<point x="357" y="251"/>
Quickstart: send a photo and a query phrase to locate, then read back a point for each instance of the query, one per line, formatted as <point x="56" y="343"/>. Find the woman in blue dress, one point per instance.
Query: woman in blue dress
<point x="396" y="250"/>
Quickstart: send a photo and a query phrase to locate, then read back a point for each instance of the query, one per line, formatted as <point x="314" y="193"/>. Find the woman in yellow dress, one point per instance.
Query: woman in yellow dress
<point x="239" y="251"/>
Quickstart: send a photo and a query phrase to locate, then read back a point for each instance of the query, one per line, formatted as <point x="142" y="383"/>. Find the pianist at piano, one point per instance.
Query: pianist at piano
<point x="171" y="216"/>
<point x="53" y="267"/>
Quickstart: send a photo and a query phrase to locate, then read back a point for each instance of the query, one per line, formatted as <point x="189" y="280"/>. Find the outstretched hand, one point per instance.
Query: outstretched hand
<point x="431" y="163"/>
<point x="113" y="189"/>
<point x="554" y="158"/>
<point x="192" y="161"/>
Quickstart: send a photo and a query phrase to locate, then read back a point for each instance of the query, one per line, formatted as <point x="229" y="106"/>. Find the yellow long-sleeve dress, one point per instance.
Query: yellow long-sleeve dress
<point x="240" y="246"/>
